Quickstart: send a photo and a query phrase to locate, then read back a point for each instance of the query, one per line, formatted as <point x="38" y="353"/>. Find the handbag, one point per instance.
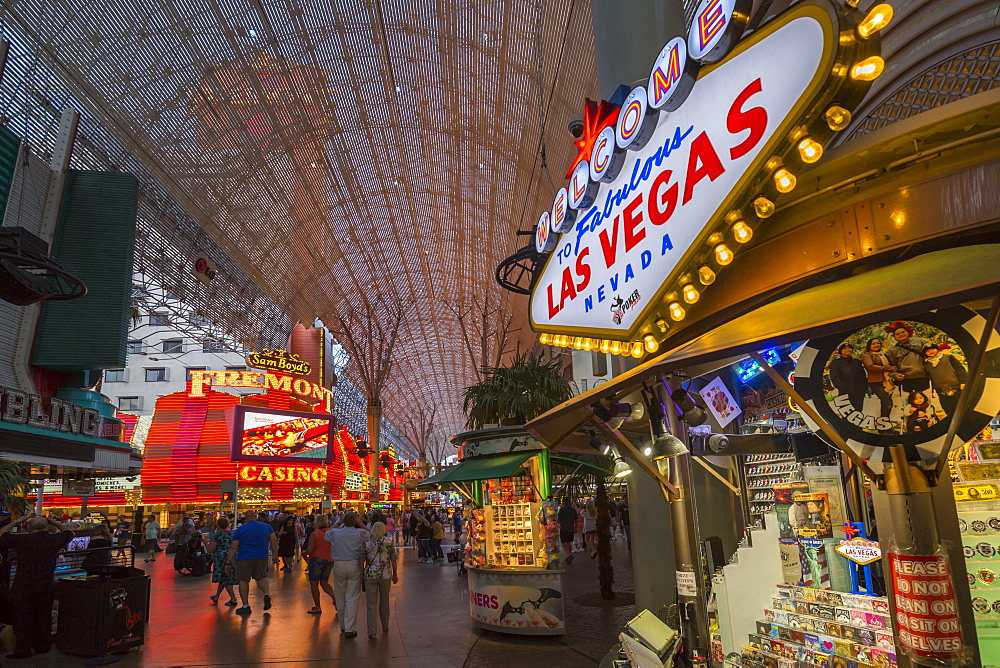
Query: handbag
<point x="887" y="383"/>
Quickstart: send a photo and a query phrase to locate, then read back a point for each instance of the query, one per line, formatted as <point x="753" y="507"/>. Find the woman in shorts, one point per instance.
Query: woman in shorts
<point x="317" y="550"/>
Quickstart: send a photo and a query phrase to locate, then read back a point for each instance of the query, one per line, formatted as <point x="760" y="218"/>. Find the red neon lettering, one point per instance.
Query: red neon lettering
<point x="583" y="270"/>
<point x="703" y="162"/>
<point x="633" y="219"/>
<point x="739" y="120"/>
<point x="710" y="22"/>
<point x="493" y="602"/>
<point x="568" y="290"/>
<point x="553" y="309"/>
<point x="609" y="246"/>
<point x="663" y="198"/>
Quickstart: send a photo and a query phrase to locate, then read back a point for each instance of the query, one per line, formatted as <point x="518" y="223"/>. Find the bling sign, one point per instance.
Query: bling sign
<point x="674" y="177"/>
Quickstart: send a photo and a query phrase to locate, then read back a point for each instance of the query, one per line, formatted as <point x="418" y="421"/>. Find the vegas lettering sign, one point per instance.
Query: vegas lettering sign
<point x="669" y="184"/>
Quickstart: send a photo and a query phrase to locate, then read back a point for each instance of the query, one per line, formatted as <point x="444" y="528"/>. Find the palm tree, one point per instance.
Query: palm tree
<point x="514" y="394"/>
<point x="13" y="487"/>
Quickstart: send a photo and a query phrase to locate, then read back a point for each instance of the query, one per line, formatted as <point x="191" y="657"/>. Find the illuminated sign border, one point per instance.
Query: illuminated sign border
<point x="236" y="432"/>
<point x="816" y="115"/>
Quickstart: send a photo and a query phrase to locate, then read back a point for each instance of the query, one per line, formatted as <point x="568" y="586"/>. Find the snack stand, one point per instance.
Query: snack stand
<point x="512" y="552"/>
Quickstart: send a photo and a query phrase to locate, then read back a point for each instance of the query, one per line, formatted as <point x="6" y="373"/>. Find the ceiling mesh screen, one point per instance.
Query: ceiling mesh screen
<point x="326" y="153"/>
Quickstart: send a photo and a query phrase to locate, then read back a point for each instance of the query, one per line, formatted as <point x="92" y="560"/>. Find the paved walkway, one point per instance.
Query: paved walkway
<point x="430" y="627"/>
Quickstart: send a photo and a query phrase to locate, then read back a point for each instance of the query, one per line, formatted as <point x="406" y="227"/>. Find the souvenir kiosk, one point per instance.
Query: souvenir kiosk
<point x="512" y="550"/>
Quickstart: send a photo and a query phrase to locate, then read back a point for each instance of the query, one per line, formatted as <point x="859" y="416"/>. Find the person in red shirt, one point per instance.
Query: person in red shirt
<point x="34" y="582"/>
<point x="317" y="550"/>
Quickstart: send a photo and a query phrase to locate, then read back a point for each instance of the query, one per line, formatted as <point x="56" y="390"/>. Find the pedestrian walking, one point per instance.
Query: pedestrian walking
<point x="218" y="547"/>
<point x="151" y="530"/>
<point x="347" y="551"/>
<point x="317" y="550"/>
<point x="390" y="528"/>
<point x="567" y="517"/>
<point x="249" y="550"/>
<point x="380" y="574"/>
<point x="456" y="521"/>
<point x="423" y="533"/>
<point x="183" y="531"/>
<point x="590" y="528"/>
<point x="34" y="583"/>
<point x="578" y="533"/>
<point x="437" y="537"/>
<point x="287" y="537"/>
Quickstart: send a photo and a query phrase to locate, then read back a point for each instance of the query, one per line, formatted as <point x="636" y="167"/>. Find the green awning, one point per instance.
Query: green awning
<point x="480" y="468"/>
<point x="436" y="479"/>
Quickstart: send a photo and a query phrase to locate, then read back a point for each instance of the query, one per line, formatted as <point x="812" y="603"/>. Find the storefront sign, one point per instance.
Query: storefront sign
<point x="926" y="611"/>
<point x="687" y="583"/>
<point x="660" y="192"/>
<point x="517" y="601"/>
<point x="279" y="360"/>
<point x="982" y="491"/>
<point x="492" y="446"/>
<point x="78" y="488"/>
<point x="19" y="407"/>
<point x="204" y="269"/>
<point x="265" y="381"/>
<point x="860" y="551"/>
<point x="913" y="403"/>
<point x="255" y="473"/>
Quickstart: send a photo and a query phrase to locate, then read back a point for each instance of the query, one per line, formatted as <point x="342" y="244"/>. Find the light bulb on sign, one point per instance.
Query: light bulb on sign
<point x="723" y="255"/>
<point x="616" y="348"/>
<point x="578" y="343"/>
<point x="837" y="118"/>
<point x="877" y="18"/>
<point x="690" y="293"/>
<point x="810" y="150"/>
<point x="868" y="69"/>
<point x="544" y="339"/>
<point x="784" y="181"/>
<point x="763" y="206"/>
<point x="637" y="349"/>
<point x="662" y="324"/>
<point x="605" y="346"/>
<point x="650" y="344"/>
<point x="742" y="232"/>
<point x="676" y="311"/>
<point x="706" y="275"/>
<point x="587" y="344"/>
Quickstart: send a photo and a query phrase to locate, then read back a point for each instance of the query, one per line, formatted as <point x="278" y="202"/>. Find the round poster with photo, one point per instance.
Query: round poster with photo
<point x="897" y="382"/>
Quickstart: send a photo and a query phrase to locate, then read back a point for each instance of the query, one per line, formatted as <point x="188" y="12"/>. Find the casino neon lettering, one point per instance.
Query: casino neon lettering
<point x="264" y="381"/>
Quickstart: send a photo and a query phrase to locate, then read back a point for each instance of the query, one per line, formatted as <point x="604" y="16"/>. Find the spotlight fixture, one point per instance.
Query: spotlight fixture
<point x="664" y="443"/>
<point x="691" y="406"/>
<point x="614" y="413"/>
<point x="622" y="468"/>
<point x="28" y="274"/>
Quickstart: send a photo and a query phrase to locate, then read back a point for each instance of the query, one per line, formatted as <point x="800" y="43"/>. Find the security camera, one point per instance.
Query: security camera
<point x="575" y="125"/>
<point x="717" y="442"/>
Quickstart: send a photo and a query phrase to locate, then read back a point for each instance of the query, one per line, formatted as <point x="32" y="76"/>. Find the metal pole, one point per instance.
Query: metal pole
<point x="374" y="429"/>
<point x="687" y="545"/>
<point x="40" y="499"/>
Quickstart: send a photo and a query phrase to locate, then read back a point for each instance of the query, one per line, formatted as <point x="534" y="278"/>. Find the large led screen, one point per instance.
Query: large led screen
<point x="268" y="435"/>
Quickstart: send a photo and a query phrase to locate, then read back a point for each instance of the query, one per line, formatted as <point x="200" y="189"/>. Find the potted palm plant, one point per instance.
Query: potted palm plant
<point x="516" y="393"/>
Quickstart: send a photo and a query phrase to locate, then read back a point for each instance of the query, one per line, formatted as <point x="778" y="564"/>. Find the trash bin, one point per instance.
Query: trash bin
<point x="103" y="613"/>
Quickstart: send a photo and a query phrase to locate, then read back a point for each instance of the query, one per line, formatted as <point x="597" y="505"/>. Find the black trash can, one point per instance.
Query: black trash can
<point x="103" y="614"/>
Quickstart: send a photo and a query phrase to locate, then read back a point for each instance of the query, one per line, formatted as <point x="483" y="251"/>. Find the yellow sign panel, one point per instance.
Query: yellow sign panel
<point x="980" y="491"/>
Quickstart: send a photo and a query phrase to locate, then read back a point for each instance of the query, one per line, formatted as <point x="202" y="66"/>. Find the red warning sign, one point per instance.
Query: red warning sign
<point x="926" y="610"/>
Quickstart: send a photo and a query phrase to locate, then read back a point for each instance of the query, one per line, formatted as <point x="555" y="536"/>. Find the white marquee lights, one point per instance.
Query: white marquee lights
<point x="668" y="184"/>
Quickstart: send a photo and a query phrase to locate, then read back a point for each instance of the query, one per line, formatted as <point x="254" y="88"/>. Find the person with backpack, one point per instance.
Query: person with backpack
<point x="380" y="574"/>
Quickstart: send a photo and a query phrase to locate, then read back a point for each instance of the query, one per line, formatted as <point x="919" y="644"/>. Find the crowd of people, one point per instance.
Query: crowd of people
<point x="578" y="526"/>
<point x="357" y="551"/>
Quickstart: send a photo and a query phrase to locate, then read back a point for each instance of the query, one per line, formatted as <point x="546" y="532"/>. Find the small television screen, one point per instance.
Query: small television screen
<point x="269" y="435"/>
